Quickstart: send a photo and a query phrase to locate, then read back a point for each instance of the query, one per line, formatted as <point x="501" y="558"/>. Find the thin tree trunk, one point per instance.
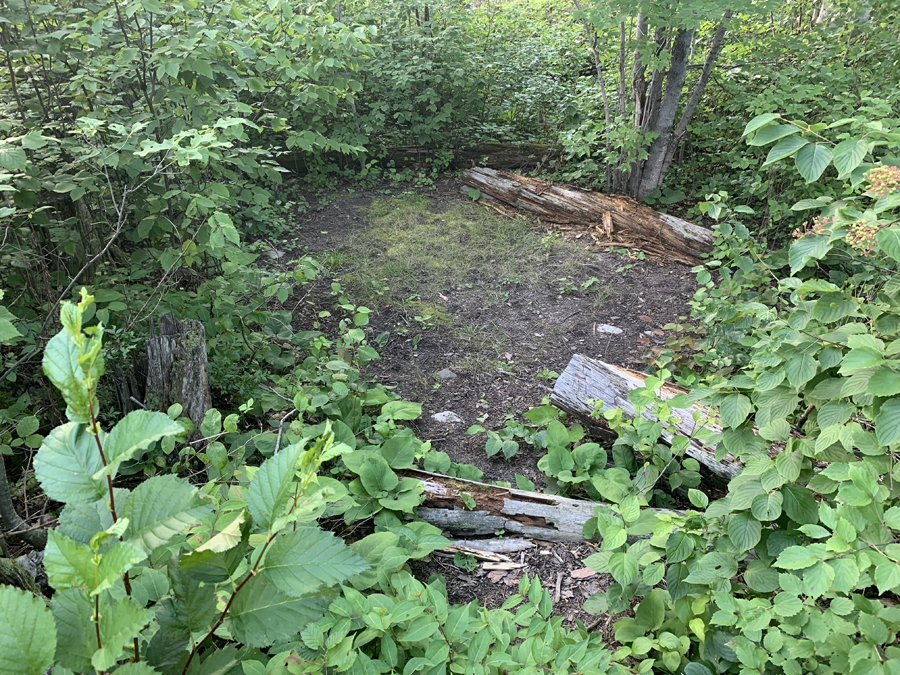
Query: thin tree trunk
<point x="712" y="56"/>
<point x="652" y="173"/>
<point x="639" y="70"/>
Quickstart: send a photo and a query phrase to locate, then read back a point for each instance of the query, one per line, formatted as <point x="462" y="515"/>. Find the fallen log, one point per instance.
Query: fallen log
<point x="520" y="513"/>
<point x="612" y="215"/>
<point x="586" y="380"/>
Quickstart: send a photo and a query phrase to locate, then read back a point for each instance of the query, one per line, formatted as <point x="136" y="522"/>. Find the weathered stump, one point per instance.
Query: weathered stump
<point x="177" y="369"/>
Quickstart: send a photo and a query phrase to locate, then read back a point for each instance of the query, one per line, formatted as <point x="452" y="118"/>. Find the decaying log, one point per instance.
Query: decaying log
<point x="585" y="380"/>
<point x="177" y="369"/>
<point x="516" y="512"/>
<point x="611" y="215"/>
<point x="497" y="155"/>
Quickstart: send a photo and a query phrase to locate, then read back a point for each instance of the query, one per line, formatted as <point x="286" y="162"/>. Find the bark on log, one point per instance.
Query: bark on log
<point x="177" y="369"/>
<point x="517" y="512"/>
<point x="585" y="380"/>
<point x="677" y="238"/>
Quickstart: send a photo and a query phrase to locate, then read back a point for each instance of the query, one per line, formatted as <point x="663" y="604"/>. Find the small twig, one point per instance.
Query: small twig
<point x="281" y="430"/>
<point x="134" y="400"/>
<point x="556" y="594"/>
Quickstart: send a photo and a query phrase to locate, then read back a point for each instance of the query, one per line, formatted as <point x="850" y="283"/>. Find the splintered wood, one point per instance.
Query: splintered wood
<point x="610" y="219"/>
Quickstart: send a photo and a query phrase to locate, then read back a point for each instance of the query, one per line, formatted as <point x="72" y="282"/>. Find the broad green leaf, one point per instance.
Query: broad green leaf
<point x="80" y="522"/>
<point x="817" y="579"/>
<point x="887" y="422"/>
<point x="12" y="158"/>
<point x="831" y="307"/>
<point x="744" y="531"/>
<point x="377" y="477"/>
<point x="191" y="608"/>
<point x="861" y="357"/>
<point x="785" y="148"/>
<point x="767" y="506"/>
<point x="758" y="122"/>
<point x="679" y="546"/>
<point x="848" y="155"/>
<point x="27" y="633"/>
<point x="226" y="539"/>
<point x="889" y="242"/>
<point x="70" y="565"/>
<point x="401" y="410"/>
<point x="846" y="574"/>
<point x="812" y="160"/>
<point x="623" y="568"/>
<point x="76" y="639"/>
<point x="651" y="612"/>
<point x="773" y="132"/>
<point x="734" y="409"/>
<point x="800" y="369"/>
<point x="136" y="431"/>
<point x="66" y="464"/>
<point x="400" y="451"/>
<point x="873" y="628"/>
<point x="272" y="486"/>
<point x="160" y="509"/>
<point x="761" y="577"/>
<point x="262" y="615"/>
<point x="887" y="576"/>
<point x="698" y="498"/>
<point x="884" y="382"/>
<point x="62" y="368"/>
<point x="799" y="504"/>
<point x="810" y="247"/>
<point x="796" y="558"/>
<point x="120" y="622"/>
<point x="786" y="604"/>
<point x="303" y="561"/>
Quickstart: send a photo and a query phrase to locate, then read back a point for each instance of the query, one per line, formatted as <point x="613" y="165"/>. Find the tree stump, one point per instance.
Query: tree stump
<point x="177" y="369"/>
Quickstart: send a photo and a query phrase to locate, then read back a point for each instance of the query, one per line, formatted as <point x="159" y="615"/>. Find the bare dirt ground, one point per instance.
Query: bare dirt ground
<point x="501" y="303"/>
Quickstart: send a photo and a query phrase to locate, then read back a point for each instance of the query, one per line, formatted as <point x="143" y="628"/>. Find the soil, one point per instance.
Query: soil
<point x="502" y="366"/>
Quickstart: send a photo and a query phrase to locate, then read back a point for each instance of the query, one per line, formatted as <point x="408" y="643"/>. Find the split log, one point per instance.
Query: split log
<point x="178" y="370"/>
<point x="585" y="380"/>
<point x="532" y="515"/>
<point x="612" y="215"/>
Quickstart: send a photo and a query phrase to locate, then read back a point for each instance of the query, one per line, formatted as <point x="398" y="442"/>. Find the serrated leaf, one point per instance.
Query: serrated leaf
<point x="11" y="158"/>
<point x="799" y="504"/>
<point x="66" y="464"/>
<point x="27" y="633"/>
<point x="812" y="160"/>
<point x="796" y="558"/>
<point x="887" y="423"/>
<point x="786" y="604"/>
<point x="887" y="576"/>
<point x="846" y="574"/>
<point x="262" y="615"/>
<point x="134" y="432"/>
<point x="80" y="522"/>
<point x="228" y="538"/>
<point x="161" y="508"/>
<point x="734" y="409"/>
<point x="272" y="486"/>
<point x="61" y="366"/>
<point x="623" y="568"/>
<point x="71" y="565"/>
<point x="120" y="622"/>
<point x="76" y="639"/>
<point x="300" y="562"/>
<point x="800" y="369"/>
<point x="744" y="531"/>
<point x="191" y="607"/>
<point x="889" y="242"/>
<point x="884" y="382"/>
<point x="810" y="247"/>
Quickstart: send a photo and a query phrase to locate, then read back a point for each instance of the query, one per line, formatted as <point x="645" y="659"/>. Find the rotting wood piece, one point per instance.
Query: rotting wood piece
<point x="585" y="380"/>
<point x="669" y="235"/>
<point x="516" y="512"/>
<point x="178" y="370"/>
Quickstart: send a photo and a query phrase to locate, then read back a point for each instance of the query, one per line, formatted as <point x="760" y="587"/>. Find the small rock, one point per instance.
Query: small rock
<point x="606" y="328"/>
<point x="275" y="254"/>
<point x="447" y="374"/>
<point x="446" y="417"/>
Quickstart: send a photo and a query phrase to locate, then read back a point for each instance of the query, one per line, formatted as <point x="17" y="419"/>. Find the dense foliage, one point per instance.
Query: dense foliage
<point x="143" y="150"/>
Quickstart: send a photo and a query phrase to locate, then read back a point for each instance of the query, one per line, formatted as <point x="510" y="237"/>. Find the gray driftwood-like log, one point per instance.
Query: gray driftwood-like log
<point x="177" y="369"/>
<point x="585" y="380"/>
<point x="530" y="515"/>
<point x="613" y="214"/>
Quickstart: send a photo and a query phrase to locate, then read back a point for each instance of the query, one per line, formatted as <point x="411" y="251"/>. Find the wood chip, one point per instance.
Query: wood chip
<point x="583" y="573"/>
<point x="503" y="566"/>
<point x="496" y="576"/>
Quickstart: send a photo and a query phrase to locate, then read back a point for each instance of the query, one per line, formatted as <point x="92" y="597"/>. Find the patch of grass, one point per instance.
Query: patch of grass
<point x="605" y="293"/>
<point x="417" y="251"/>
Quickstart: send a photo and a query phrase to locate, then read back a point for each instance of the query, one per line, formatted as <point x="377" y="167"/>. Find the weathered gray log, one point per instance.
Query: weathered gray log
<point x="531" y="515"/>
<point x="612" y="214"/>
<point x="586" y="380"/>
<point x="177" y="369"/>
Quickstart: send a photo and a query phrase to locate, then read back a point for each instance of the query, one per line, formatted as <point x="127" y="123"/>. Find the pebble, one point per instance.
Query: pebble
<point x="447" y="374"/>
<point x="447" y="417"/>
